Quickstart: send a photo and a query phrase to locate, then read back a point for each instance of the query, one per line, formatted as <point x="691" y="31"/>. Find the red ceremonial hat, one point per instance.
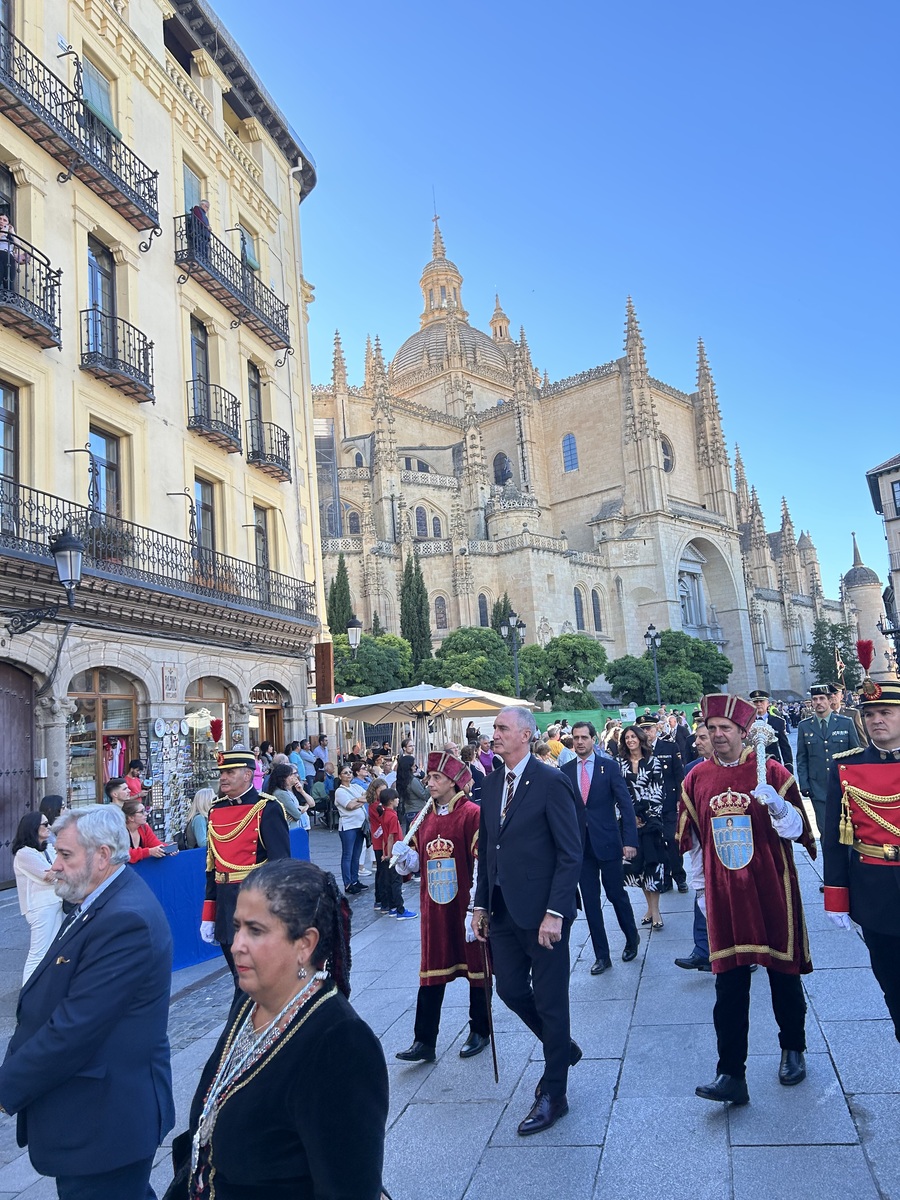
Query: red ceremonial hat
<point x="732" y="708"/>
<point x="444" y="763"/>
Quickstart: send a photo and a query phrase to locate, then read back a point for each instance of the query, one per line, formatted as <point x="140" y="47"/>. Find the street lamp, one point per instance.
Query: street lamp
<point x="67" y="551"/>
<point x="653" y="641"/>
<point x="514" y="626"/>
<point x="889" y="630"/>
<point x="354" y="633"/>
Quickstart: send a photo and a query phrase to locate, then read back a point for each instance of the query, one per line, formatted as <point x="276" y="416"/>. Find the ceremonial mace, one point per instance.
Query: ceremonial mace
<point x="760" y="735"/>
<point x="413" y="829"/>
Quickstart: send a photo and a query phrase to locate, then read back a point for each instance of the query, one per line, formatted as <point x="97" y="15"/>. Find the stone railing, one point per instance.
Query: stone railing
<point x="339" y="545"/>
<point x="385" y="549"/>
<point x="531" y="541"/>
<point x="351" y="474"/>
<point x="428" y="547"/>
<point x="696" y="512"/>
<point x="243" y="156"/>
<point x="573" y="381"/>
<point x="475" y="546"/>
<point x="668" y="389"/>
<point x="186" y="88"/>
<point x="429" y="479"/>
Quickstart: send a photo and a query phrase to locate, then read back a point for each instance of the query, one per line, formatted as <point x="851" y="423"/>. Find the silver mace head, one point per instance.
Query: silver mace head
<point x="762" y="733"/>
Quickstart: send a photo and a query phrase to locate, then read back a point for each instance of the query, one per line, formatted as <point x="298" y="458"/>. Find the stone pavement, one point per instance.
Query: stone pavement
<point x="635" y="1128"/>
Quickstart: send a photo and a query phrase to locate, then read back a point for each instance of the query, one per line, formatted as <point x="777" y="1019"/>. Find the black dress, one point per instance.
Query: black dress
<point x="647" y="869"/>
<point x="282" y="1133"/>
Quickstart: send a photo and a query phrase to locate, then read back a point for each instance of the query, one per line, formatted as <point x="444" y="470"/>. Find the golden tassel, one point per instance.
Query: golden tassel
<point x="846" y="829"/>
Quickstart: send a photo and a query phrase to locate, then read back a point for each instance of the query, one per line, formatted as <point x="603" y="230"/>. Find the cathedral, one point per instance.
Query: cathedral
<point x="600" y="503"/>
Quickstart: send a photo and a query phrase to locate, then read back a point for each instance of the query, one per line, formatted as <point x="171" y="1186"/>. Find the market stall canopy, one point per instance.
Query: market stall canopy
<point x="407" y="704"/>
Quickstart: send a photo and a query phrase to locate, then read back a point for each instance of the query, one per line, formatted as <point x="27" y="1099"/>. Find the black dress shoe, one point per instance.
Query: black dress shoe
<point x="725" y="1089"/>
<point x="793" y="1068"/>
<point x="683" y="887"/>
<point x="545" y="1112"/>
<point x="418" y="1052"/>
<point x="693" y="962"/>
<point x="475" y="1043"/>
<point x="576" y="1054"/>
<point x="629" y="954"/>
<point x="601" y="965"/>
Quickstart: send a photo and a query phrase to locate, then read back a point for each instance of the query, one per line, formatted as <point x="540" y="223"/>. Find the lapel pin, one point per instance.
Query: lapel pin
<point x="62" y="960"/>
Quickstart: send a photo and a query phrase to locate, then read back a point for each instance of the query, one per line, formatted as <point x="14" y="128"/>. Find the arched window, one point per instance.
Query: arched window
<point x="358" y="461"/>
<point x="484" y="619"/>
<point x="597" y="611"/>
<point x="421" y="523"/>
<point x="668" y="455"/>
<point x="570" y="453"/>
<point x="352" y="522"/>
<point x="436" y="527"/>
<point x="579" y="608"/>
<point x="502" y="469"/>
<point x="440" y="613"/>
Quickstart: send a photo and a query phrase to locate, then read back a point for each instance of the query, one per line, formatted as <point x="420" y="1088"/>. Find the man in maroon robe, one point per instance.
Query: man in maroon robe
<point x="743" y="831"/>
<point x="444" y="850"/>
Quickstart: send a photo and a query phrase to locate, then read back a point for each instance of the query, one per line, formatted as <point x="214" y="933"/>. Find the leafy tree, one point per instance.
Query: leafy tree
<point x="827" y="638"/>
<point x="377" y="629"/>
<point x="339" y="607"/>
<point x="678" y="649"/>
<point x="534" y="673"/>
<point x="679" y="685"/>
<point x="631" y="679"/>
<point x="475" y="657"/>
<point x="415" y="623"/>
<point x="500" y="612"/>
<point x="688" y="667"/>
<point x="381" y="664"/>
<point x="574" y="661"/>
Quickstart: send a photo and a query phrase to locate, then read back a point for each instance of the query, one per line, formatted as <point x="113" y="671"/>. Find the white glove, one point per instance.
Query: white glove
<point x="701" y="900"/>
<point x="841" y="920"/>
<point x="470" y="936"/>
<point x="767" y="795"/>
<point x="406" y="859"/>
<point x="208" y="932"/>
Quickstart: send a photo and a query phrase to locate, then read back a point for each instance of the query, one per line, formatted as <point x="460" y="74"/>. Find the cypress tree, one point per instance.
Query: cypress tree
<point x="339" y="608"/>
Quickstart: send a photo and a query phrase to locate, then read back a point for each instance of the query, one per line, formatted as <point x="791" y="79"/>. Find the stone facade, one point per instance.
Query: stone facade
<point x="601" y="502"/>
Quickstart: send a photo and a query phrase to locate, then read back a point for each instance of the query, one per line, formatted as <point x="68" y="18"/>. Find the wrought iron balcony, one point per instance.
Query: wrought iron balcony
<point x="114" y="350"/>
<point x="269" y="448"/>
<point x="208" y="260"/>
<point x="57" y="118"/>
<point x="29" y="521"/>
<point x="215" y="414"/>
<point x="29" y="293"/>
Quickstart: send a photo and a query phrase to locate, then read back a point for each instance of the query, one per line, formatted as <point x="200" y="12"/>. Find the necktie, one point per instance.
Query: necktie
<point x="510" y="784"/>
<point x="823" y="723"/>
<point x="69" y="921"/>
<point x="585" y="782"/>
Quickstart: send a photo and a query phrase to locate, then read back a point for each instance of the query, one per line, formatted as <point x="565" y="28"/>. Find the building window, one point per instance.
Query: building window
<point x="254" y="392"/>
<point x="668" y="455"/>
<point x="596" y="611"/>
<point x="484" y="619"/>
<point x="200" y="355"/>
<point x="440" y="613"/>
<point x="569" y="453"/>
<point x="421" y="523"/>
<point x="353" y="525"/>
<point x="9" y="433"/>
<point x="7" y="194"/>
<point x="895" y="488"/>
<point x="579" y="608"/>
<point x="358" y="460"/>
<point x="102" y="732"/>
<point x="261" y="536"/>
<point x="193" y="188"/>
<point x="502" y="469"/>
<point x="98" y="95"/>
<point x="436" y="527"/>
<point x="204" y="499"/>
<point x="105" y="452"/>
<point x="101" y="333"/>
<point x="249" y="248"/>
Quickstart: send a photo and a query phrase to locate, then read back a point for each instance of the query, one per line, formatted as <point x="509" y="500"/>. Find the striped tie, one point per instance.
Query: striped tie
<point x="510" y="785"/>
<point x="585" y="782"/>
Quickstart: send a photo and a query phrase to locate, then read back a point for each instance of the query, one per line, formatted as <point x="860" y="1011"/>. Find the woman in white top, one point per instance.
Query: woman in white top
<point x="351" y="807"/>
<point x="38" y="901"/>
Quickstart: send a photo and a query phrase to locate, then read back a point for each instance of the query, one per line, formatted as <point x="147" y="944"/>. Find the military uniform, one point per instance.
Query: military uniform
<point x="780" y="749"/>
<point x="816" y="751"/>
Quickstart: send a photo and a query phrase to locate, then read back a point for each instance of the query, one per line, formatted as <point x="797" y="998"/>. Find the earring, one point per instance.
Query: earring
<point x="302" y="973"/>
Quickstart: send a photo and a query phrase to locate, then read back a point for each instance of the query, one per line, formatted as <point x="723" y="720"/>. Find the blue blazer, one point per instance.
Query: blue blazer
<point x="87" y="1069"/>
<point x="608" y="790"/>
<point x="535" y="859"/>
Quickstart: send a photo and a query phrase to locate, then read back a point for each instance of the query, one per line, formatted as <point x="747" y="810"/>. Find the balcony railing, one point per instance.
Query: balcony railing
<point x="223" y="274"/>
<point x="116" y="351"/>
<point x="215" y="414"/>
<point x="269" y="448"/>
<point x="30" y="520"/>
<point x="57" y="118"/>
<point x="29" y="293"/>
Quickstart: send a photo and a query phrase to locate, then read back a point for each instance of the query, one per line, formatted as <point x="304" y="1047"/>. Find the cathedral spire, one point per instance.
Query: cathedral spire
<point x="741" y="488"/>
<point x="339" y="365"/>
<point x="499" y="323"/>
<point x="441" y="283"/>
<point x="379" y="371"/>
<point x="368" y="364"/>
<point x="787" y="525"/>
<point x="857" y="557"/>
<point x="438" y="249"/>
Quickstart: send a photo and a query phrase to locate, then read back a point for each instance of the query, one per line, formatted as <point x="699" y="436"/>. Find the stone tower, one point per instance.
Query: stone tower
<point x="864" y="594"/>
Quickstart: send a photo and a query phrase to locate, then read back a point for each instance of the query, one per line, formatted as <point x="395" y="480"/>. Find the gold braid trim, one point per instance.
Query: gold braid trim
<point x="860" y="797"/>
<point x="214" y="838"/>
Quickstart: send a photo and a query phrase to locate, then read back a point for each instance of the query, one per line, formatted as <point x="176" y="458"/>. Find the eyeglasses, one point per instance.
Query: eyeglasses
<point x="44" y="825"/>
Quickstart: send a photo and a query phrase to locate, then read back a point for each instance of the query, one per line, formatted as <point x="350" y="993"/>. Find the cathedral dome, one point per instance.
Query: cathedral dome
<point x="859" y="574"/>
<point x="428" y="348"/>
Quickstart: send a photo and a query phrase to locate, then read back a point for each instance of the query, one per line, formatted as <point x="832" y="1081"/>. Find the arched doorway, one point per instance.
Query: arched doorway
<point x="16" y="758"/>
<point x="267" y="701"/>
<point x="102" y="732"/>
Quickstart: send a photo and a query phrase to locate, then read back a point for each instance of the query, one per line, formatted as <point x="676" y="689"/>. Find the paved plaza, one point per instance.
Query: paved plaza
<point x="635" y="1128"/>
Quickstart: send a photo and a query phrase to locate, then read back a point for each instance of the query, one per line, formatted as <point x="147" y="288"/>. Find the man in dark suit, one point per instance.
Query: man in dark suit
<point x="780" y="749"/>
<point x="819" y="738"/>
<point x="87" y="1070"/>
<point x="529" y="847"/>
<point x="600" y="784"/>
<point x="673" y="774"/>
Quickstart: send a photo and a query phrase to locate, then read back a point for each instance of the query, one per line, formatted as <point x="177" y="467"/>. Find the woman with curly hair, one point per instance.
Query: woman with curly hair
<point x="644" y="776"/>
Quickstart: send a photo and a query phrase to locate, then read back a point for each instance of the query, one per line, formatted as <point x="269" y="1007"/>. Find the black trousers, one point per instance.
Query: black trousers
<point x="428" y="1012"/>
<point x="388" y="888"/>
<point x="676" y="860"/>
<point x="731" y="1016"/>
<point x="131" y="1182"/>
<point x="610" y="871"/>
<point x="534" y="984"/>
<point x="884" y="954"/>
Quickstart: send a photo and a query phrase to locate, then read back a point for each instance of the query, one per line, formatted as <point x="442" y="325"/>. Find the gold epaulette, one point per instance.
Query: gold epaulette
<point x="848" y="753"/>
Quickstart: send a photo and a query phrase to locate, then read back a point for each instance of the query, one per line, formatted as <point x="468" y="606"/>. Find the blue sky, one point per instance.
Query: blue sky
<point x="731" y="166"/>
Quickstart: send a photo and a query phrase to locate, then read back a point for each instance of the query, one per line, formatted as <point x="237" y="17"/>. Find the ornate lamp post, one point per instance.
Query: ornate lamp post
<point x="67" y="551"/>
<point x="513" y="631"/>
<point x="354" y="633"/>
<point x="653" y="640"/>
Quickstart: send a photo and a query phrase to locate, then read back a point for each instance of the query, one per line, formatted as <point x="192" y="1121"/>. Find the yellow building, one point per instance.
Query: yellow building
<point x="154" y="401"/>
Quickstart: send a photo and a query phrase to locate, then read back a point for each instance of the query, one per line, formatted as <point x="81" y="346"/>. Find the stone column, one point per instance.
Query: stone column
<point x="51" y="714"/>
